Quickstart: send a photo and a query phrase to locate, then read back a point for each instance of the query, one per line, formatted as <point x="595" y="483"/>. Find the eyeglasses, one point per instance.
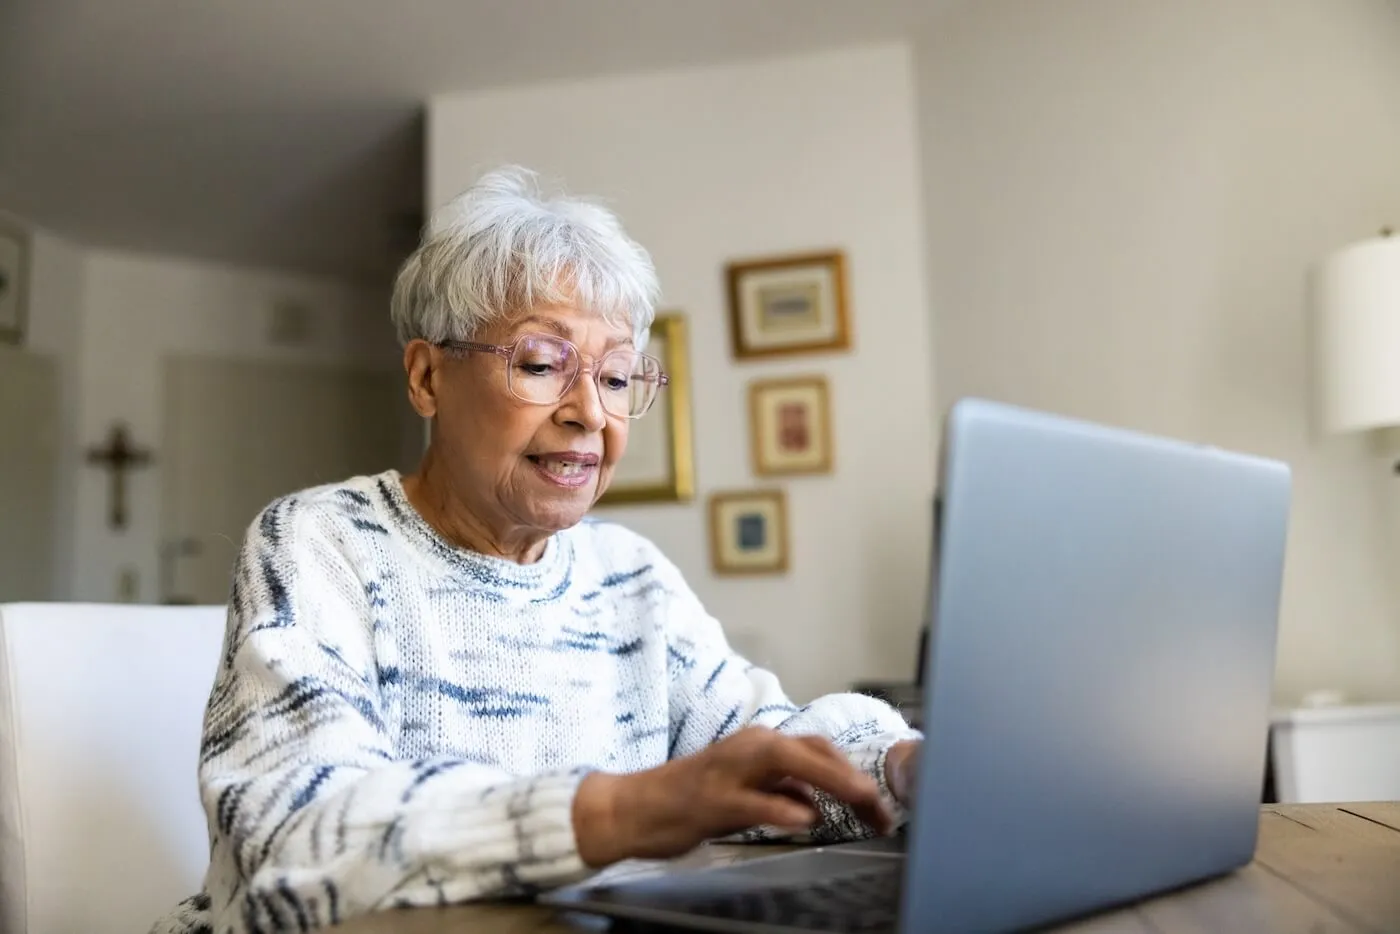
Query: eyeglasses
<point x="543" y="369"/>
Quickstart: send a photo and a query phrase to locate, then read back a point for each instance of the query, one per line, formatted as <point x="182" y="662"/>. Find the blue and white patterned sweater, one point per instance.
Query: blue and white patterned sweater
<point x="396" y="721"/>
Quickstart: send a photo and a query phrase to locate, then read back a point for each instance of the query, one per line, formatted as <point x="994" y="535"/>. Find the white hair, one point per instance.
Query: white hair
<point x="503" y="247"/>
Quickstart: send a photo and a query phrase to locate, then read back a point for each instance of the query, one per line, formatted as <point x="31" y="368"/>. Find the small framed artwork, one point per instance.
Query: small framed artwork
<point x="791" y="424"/>
<point x="788" y="305"/>
<point x="14" y="282"/>
<point x="748" y="532"/>
<point x="659" y="465"/>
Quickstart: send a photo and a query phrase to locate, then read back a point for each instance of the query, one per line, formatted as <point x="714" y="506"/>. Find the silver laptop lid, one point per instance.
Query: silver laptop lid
<point x="1100" y="669"/>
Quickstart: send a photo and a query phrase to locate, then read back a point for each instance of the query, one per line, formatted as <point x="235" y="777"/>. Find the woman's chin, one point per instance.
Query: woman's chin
<point x="555" y="507"/>
<point x="559" y="512"/>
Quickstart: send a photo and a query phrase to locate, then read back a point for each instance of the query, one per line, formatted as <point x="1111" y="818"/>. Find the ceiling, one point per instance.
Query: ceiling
<point x="287" y="134"/>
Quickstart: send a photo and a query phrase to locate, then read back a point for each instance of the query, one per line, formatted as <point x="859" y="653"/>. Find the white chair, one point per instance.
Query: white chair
<point x="101" y="708"/>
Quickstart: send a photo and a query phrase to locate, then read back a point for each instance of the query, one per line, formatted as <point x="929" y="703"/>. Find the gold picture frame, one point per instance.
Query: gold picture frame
<point x="790" y="426"/>
<point x="788" y="305"/>
<point x="749" y="532"/>
<point x="659" y="466"/>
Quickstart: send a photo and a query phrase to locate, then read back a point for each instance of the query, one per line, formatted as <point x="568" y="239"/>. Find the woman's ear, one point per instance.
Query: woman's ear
<point x="420" y="361"/>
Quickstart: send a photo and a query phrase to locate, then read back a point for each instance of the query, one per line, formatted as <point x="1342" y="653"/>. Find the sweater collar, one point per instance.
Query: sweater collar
<point x="544" y="577"/>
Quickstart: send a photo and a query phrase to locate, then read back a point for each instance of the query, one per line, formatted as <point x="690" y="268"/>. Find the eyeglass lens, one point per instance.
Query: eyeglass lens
<point x="542" y="369"/>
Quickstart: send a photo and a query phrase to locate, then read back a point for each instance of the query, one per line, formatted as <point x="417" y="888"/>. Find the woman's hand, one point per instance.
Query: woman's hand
<point x="902" y="770"/>
<point x="754" y="777"/>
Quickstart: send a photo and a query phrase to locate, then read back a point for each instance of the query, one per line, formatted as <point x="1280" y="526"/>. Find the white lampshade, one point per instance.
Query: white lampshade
<point x="1356" y="336"/>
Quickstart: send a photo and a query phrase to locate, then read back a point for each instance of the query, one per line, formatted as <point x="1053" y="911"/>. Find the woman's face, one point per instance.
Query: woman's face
<point x="523" y="467"/>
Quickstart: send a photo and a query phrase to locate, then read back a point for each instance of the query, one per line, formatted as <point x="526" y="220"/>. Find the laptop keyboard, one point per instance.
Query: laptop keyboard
<point x="856" y="900"/>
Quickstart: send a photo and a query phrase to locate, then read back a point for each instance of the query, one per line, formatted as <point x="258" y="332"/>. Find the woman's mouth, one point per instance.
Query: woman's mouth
<point x="566" y="470"/>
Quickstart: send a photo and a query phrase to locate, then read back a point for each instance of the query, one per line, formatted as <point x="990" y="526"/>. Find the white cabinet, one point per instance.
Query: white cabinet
<point x="1341" y="753"/>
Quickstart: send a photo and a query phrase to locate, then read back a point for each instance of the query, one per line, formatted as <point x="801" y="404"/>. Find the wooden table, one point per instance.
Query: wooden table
<point x="1317" y="869"/>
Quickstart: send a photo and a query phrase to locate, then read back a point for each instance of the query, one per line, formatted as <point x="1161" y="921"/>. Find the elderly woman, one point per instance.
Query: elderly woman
<point x="451" y="685"/>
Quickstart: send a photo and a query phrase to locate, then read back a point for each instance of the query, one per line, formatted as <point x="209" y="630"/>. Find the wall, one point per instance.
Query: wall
<point x="711" y="164"/>
<point x="1123" y="197"/>
<point x="139" y="309"/>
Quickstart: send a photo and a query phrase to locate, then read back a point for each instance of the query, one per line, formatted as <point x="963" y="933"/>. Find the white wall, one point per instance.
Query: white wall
<point x="138" y="309"/>
<point x="1123" y="199"/>
<point x="711" y="164"/>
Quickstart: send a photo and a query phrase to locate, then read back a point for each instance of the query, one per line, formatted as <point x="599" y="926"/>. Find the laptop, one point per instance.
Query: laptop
<point x="1098" y="677"/>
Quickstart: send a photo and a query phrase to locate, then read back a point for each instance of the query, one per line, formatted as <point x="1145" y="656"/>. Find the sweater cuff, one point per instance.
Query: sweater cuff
<point x="525" y="828"/>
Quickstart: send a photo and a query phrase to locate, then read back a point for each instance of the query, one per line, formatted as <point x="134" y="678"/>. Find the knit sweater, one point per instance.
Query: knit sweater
<point x="396" y="721"/>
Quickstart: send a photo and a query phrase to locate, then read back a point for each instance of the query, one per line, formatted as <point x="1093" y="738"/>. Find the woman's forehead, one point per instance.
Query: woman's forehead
<point x="574" y="324"/>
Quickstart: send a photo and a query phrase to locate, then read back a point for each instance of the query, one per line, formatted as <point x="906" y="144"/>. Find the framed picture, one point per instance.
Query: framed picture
<point x="748" y="532"/>
<point x="659" y="465"/>
<point x="14" y="281"/>
<point x="788" y="305"/>
<point x="791" y="424"/>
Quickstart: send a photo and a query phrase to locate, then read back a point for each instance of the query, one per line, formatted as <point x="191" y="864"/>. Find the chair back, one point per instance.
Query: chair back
<point x="101" y="711"/>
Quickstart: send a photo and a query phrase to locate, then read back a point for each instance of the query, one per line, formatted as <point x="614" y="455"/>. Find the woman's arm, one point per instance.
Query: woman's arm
<point x="311" y="818"/>
<point x="715" y="692"/>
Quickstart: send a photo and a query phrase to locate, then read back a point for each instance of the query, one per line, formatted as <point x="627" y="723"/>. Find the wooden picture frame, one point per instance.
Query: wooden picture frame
<point x="788" y="305"/>
<point x="659" y="466"/>
<point x="749" y="532"/>
<point x="790" y="426"/>
<point x="14" y="281"/>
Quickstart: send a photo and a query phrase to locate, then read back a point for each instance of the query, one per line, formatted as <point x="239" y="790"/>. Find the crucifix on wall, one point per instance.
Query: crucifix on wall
<point x="118" y="456"/>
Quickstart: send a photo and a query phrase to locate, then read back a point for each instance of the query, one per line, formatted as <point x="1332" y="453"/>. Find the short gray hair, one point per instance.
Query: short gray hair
<point x="503" y="247"/>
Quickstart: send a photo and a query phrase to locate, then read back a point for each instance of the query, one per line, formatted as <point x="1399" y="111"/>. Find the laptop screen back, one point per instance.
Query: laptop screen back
<point x="1100" y="668"/>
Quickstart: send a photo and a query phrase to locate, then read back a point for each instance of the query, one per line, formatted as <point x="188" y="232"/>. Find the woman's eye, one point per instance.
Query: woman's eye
<point x="539" y="369"/>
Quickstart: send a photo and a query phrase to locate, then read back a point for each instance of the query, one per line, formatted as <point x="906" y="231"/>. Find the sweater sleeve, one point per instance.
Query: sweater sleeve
<point x="715" y="692"/>
<point x="312" y="820"/>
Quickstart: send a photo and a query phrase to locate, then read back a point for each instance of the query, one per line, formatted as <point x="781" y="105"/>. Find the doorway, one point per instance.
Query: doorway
<point x="29" y="467"/>
<point x="239" y="434"/>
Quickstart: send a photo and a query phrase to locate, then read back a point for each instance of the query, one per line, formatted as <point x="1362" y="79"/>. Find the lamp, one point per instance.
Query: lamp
<point x="1356" y="331"/>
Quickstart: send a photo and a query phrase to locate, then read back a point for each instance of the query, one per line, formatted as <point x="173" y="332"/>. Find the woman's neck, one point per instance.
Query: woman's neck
<point x="431" y="493"/>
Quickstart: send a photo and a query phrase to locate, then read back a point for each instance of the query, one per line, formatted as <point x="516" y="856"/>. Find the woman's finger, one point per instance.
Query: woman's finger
<point x="876" y="815"/>
<point x="835" y="776"/>
<point x="752" y="808"/>
<point x="823" y="747"/>
<point x="799" y="791"/>
<point x="872" y="808"/>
